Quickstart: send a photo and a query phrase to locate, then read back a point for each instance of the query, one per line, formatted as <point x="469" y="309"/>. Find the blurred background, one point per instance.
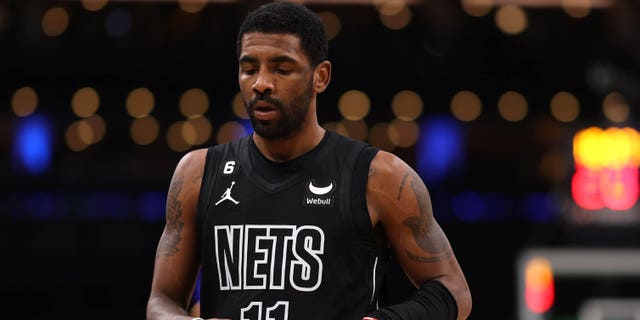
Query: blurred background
<point x="520" y="115"/>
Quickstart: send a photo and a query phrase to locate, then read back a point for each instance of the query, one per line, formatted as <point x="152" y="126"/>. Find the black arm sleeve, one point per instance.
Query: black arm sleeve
<point x="432" y="301"/>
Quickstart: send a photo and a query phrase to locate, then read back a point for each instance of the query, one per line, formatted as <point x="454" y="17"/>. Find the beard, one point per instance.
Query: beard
<point x="292" y="115"/>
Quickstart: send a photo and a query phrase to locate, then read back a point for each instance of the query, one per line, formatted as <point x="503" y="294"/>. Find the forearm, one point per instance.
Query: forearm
<point x="431" y="301"/>
<point x="161" y="307"/>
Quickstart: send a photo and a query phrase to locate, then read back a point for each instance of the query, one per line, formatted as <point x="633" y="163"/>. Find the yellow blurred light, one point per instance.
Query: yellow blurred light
<point x="613" y="148"/>
<point x="354" y="105"/>
<point x="397" y="21"/>
<point x="511" y="19"/>
<point x="389" y="7"/>
<point x="202" y="128"/>
<point x="615" y="107"/>
<point x="192" y="6"/>
<point x="144" y="130"/>
<point x="230" y="131"/>
<point x="466" y="106"/>
<point x="194" y="102"/>
<point x="477" y="8"/>
<point x="98" y="126"/>
<point x="565" y="107"/>
<point x="85" y="132"/>
<point x="356" y="129"/>
<point x="140" y="102"/>
<point x="72" y="138"/>
<point x="94" y="5"/>
<point x="379" y="137"/>
<point x="85" y="102"/>
<point x="238" y="107"/>
<point x="24" y="101"/>
<point x="577" y="8"/>
<point x="55" y="21"/>
<point x="512" y="106"/>
<point x="538" y="273"/>
<point x="331" y="23"/>
<point x="175" y="138"/>
<point x="403" y="133"/>
<point x="407" y="105"/>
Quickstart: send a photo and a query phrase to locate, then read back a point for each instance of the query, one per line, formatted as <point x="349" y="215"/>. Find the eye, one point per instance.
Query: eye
<point x="249" y="71"/>
<point x="284" y="71"/>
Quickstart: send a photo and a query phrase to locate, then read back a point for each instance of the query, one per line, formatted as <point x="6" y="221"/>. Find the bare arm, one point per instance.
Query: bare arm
<point x="176" y="264"/>
<point x="398" y="199"/>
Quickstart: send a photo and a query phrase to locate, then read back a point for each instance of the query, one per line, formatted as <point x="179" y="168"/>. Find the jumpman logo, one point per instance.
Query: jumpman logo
<point x="227" y="195"/>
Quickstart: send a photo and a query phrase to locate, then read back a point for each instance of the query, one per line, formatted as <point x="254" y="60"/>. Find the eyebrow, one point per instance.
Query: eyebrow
<point x="276" y="59"/>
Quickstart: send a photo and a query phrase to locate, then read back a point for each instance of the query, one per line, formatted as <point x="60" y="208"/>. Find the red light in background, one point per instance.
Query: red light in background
<point x="539" y="285"/>
<point x="606" y="164"/>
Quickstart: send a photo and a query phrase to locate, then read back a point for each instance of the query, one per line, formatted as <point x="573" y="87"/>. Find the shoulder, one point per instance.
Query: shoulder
<point x="394" y="189"/>
<point x="187" y="176"/>
<point x="192" y="162"/>
<point x="385" y="168"/>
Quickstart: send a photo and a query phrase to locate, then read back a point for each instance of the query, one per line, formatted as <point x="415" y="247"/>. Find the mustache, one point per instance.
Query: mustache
<point x="266" y="98"/>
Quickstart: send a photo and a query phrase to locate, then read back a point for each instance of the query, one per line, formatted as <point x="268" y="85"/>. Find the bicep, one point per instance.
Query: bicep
<point x="402" y="205"/>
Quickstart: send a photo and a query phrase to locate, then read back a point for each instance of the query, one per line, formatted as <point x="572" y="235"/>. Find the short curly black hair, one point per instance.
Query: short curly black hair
<point x="290" y="18"/>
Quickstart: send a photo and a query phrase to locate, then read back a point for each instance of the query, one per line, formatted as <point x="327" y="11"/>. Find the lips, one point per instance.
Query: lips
<point x="264" y="110"/>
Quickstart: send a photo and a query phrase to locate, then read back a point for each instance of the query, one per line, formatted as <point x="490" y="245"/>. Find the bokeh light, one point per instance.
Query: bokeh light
<point x="512" y="106"/>
<point x="238" y="106"/>
<point x="379" y="136"/>
<point x="403" y="133"/>
<point x="354" y="105"/>
<point x="356" y="129"/>
<point x="511" y="19"/>
<point x="389" y="7"/>
<point x="466" y="106"/>
<point x="175" y="137"/>
<point x="577" y="8"/>
<point x="85" y="102"/>
<point x="202" y="128"/>
<point x="616" y="108"/>
<point x="24" y="101"/>
<point x="477" y="8"/>
<point x="331" y="22"/>
<point x="407" y="105"/>
<point x="565" y="107"/>
<point x="192" y="6"/>
<point x="144" y="130"/>
<point x="98" y="126"/>
<point x="140" y="102"/>
<point x="194" y="102"/>
<point x="230" y="131"/>
<point x="397" y="21"/>
<point x="337" y="127"/>
<point x="94" y="5"/>
<point x="55" y="21"/>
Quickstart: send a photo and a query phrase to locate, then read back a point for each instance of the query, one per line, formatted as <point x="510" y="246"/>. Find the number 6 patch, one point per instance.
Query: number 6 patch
<point x="230" y="167"/>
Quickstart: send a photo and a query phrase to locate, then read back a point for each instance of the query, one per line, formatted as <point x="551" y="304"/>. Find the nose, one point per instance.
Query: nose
<point x="263" y="83"/>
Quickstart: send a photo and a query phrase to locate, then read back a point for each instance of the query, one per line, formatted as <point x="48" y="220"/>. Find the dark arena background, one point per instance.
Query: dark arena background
<point x="520" y="115"/>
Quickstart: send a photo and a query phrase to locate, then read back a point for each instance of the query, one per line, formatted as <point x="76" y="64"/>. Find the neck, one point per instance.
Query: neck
<point x="293" y="146"/>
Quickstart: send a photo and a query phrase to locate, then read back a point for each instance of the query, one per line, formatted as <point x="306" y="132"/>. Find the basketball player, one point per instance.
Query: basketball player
<point x="296" y="222"/>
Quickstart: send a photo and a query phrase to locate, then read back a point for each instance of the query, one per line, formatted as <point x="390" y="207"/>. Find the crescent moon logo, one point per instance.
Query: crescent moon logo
<point x="320" y="190"/>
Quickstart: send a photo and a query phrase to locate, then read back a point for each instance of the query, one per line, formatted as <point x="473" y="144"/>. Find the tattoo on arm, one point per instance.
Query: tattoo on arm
<point x="426" y="232"/>
<point x="404" y="180"/>
<point x="173" y="229"/>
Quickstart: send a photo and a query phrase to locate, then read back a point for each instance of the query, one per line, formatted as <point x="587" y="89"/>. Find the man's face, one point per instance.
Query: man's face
<point x="276" y="82"/>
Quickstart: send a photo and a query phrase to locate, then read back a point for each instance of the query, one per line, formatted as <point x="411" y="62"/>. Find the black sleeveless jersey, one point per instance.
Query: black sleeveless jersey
<point x="289" y="240"/>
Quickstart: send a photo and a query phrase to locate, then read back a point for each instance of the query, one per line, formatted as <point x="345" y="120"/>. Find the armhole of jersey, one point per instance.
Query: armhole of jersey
<point x="208" y="177"/>
<point x="359" y="208"/>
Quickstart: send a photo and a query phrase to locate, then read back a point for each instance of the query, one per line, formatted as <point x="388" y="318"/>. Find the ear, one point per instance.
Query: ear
<point x="321" y="76"/>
